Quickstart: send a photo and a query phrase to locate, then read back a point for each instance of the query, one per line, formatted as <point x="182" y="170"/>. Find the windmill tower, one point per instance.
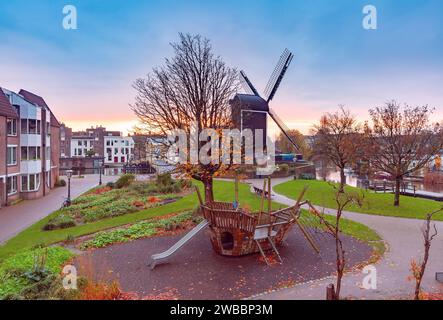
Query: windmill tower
<point x="250" y="110"/>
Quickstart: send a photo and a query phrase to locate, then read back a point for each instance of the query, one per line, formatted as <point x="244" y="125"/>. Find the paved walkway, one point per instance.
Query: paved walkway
<point x="404" y="239"/>
<point x="18" y="217"/>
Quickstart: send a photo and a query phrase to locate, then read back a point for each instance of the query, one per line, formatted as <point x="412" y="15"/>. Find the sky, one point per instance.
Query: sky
<point x="86" y="75"/>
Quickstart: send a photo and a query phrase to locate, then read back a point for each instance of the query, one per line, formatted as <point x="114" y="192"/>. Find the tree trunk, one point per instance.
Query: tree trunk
<point x="209" y="193"/>
<point x="397" y="192"/>
<point x="342" y="180"/>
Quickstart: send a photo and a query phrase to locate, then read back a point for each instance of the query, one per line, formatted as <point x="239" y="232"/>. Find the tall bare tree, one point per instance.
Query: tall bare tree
<point x="191" y="88"/>
<point x="401" y="141"/>
<point x="337" y="140"/>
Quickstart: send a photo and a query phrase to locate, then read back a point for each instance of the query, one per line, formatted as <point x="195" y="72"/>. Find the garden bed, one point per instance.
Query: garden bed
<point x="118" y="199"/>
<point x="160" y="226"/>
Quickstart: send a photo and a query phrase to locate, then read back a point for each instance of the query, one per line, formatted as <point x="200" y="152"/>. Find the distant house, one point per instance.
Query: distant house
<point x="94" y="147"/>
<point x="29" y="140"/>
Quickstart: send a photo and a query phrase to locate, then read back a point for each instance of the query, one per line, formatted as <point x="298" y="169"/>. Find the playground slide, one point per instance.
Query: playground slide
<point x="160" y="257"/>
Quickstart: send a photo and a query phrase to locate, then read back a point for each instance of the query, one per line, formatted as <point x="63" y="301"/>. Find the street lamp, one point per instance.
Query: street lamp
<point x="100" y="164"/>
<point x="69" y="175"/>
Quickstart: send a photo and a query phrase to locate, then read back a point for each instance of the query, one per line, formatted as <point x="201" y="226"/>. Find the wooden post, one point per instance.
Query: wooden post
<point x="269" y="195"/>
<point x="262" y="201"/>
<point x="330" y="292"/>
<point x="269" y="206"/>
<point x="199" y="195"/>
<point x="236" y="189"/>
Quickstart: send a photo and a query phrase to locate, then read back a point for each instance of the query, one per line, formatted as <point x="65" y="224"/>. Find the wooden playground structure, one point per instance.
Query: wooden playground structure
<point x="235" y="232"/>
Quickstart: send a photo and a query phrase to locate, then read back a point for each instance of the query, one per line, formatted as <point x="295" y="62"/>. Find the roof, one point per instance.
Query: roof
<point x="251" y="102"/>
<point x="6" y="109"/>
<point x="31" y="97"/>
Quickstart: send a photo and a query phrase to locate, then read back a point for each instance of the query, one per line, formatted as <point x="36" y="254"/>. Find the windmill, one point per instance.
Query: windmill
<point x="250" y="110"/>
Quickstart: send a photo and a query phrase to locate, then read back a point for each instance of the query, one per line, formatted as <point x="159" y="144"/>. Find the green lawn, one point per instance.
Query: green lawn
<point x="223" y="191"/>
<point x="322" y="194"/>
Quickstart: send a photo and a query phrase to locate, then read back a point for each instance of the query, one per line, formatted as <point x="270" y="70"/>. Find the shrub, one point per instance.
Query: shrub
<point x="284" y="168"/>
<point x="61" y="221"/>
<point x="60" y="183"/>
<point x="125" y="180"/>
<point x="17" y="271"/>
<point x="307" y="176"/>
<point x="164" y="179"/>
<point x="110" y="185"/>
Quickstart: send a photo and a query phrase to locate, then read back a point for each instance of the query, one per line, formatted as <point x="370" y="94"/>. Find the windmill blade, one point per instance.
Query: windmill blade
<point x="247" y="85"/>
<point x="278" y="74"/>
<point x="282" y="127"/>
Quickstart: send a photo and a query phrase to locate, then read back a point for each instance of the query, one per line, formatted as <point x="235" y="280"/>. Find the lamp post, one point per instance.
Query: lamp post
<point x="69" y="175"/>
<point x="100" y="164"/>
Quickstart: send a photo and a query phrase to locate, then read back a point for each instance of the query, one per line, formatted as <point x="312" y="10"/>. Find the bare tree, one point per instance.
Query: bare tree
<point x="418" y="271"/>
<point x="401" y="141"/>
<point x="192" y="88"/>
<point x="284" y="145"/>
<point x="333" y="228"/>
<point x="337" y="140"/>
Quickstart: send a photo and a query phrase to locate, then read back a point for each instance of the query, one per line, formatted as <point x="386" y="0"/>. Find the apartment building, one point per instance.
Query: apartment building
<point x="29" y="140"/>
<point x="86" y="149"/>
<point x="118" y="149"/>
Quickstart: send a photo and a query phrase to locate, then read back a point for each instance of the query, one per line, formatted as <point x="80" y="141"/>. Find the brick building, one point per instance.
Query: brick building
<point x="29" y="140"/>
<point x="86" y="149"/>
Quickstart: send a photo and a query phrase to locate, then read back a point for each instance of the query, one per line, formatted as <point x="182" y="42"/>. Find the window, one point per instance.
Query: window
<point x="38" y="126"/>
<point x="79" y="143"/>
<point x="11" y="157"/>
<point x="32" y="126"/>
<point x="24" y="126"/>
<point x="12" y="127"/>
<point x="32" y="153"/>
<point x="31" y="182"/>
<point x="115" y="150"/>
<point x="11" y="185"/>
<point x="24" y="153"/>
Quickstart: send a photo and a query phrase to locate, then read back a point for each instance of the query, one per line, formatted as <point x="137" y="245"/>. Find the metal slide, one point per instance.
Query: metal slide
<point x="161" y="257"/>
<point x="282" y="127"/>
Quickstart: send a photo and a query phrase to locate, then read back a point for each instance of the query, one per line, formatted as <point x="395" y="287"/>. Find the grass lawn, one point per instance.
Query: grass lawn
<point x="322" y="194"/>
<point x="34" y="235"/>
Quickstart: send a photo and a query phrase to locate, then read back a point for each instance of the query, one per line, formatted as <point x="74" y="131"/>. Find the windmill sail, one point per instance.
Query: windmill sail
<point x="282" y="127"/>
<point x="247" y="84"/>
<point x="278" y="74"/>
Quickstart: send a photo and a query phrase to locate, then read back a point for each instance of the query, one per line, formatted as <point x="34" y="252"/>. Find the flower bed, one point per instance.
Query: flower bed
<point x="107" y="202"/>
<point x="139" y="230"/>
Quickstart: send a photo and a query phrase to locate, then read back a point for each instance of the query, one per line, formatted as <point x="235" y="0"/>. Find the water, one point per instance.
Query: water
<point x="353" y="181"/>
